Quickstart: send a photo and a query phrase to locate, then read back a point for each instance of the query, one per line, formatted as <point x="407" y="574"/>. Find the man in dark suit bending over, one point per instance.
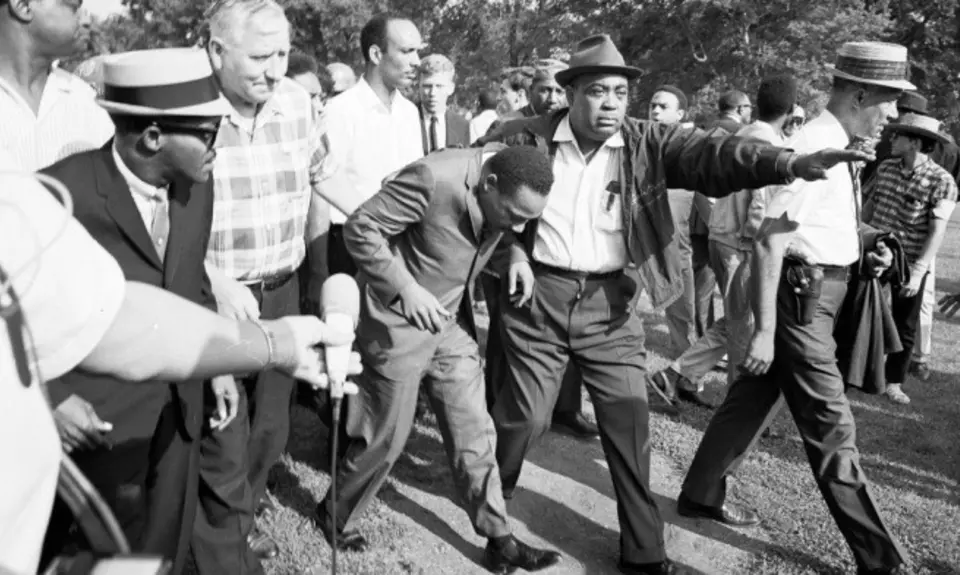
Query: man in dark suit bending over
<point x="419" y="245"/>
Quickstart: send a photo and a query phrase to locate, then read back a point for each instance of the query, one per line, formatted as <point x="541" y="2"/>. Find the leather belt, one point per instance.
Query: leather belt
<point x="573" y="274"/>
<point x="269" y="284"/>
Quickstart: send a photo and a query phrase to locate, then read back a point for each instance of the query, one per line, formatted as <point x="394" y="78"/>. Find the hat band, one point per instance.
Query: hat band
<point x="883" y="70"/>
<point x="165" y="96"/>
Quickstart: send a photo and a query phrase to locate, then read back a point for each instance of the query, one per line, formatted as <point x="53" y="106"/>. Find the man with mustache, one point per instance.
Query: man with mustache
<point x="147" y="198"/>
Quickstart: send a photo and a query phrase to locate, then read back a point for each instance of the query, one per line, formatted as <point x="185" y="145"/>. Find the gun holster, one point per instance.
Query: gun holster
<point x="806" y="283"/>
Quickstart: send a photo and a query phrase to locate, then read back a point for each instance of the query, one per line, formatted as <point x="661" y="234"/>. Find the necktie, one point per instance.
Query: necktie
<point x="160" y="227"/>
<point x="434" y="137"/>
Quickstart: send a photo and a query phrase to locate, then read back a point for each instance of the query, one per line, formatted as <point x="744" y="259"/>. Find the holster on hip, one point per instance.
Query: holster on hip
<point x="806" y="283"/>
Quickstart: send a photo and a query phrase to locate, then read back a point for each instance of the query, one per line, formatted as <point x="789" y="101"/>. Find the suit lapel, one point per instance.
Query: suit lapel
<point x="121" y="207"/>
<point x="181" y="192"/>
<point x="424" y="138"/>
<point x="472" y="182"/>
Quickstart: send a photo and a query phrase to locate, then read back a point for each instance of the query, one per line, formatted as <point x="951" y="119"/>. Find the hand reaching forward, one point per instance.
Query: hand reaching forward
<point x="814" y="166"/>
<point x="298" y="349"/>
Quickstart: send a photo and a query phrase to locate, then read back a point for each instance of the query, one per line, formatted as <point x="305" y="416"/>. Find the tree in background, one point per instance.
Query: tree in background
<point x="703" y="46"/>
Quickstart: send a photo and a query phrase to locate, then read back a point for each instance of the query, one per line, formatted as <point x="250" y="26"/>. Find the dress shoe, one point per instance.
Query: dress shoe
<point x="345" y="540"/>
<point x="666" y="388"/>
<point x="574" y="424"/>
<point x="665" y="567"/>
<point x="508" y="493"/>
<point x="920" y="370"/>
<point x="730" y="513"/>
<point x="507" y="554"/>
<point x="693" y="396"/>
<point x="262" y="545"/>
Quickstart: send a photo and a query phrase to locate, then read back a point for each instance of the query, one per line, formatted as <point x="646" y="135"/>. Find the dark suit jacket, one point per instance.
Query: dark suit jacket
<point x="457" y="128"/>
<point x="104" y="205"/>
<point x="424" y="226"/>
<point x="865" y="331"/>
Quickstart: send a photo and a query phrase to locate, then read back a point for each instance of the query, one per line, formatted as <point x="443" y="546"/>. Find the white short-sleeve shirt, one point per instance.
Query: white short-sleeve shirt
<point x="65" y="300"/>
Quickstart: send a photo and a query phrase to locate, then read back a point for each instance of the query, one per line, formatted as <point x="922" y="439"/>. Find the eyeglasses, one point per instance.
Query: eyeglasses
<point x="206" y="134"/>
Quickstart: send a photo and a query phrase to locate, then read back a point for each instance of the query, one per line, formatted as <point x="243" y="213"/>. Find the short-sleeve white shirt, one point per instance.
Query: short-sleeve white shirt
<point x="66" y="299"/>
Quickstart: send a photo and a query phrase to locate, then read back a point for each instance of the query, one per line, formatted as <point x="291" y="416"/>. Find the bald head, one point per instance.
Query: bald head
<point x="343" y="76"/>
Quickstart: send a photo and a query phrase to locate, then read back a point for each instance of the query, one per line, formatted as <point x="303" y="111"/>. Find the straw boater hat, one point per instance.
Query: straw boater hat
<point x="596" y="55"/>
<point x="919" y="125"/>
<point x="876" y="63"/>
<point x="162" y="82"/>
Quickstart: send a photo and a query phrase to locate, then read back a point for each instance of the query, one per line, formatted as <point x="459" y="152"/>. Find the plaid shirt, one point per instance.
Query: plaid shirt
<point x="906" y="202"/>
<point x="262" y="187"/>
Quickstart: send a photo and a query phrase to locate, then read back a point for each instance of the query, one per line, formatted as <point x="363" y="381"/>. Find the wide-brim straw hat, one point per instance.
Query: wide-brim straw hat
<point x="162" y="82"/>
<point x="875" y="63"/>
<point x="920" y="125"/>
<point x="596" y="55"/>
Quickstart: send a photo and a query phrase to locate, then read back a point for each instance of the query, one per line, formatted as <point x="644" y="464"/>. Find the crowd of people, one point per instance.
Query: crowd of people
<point x="160" y="315"/>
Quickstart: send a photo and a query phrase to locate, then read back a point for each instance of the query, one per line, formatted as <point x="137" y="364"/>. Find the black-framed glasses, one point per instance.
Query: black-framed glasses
<point x="206" y="134"/>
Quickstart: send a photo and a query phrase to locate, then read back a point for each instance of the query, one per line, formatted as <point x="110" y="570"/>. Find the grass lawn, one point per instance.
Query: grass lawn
<point x="565" y="500"/>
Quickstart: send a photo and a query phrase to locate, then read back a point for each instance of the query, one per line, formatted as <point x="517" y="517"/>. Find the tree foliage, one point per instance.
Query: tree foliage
<point x="703" y="46"/>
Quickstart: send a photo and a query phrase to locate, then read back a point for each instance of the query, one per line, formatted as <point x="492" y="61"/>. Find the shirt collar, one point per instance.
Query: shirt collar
<point x="370" y="98"/>
<point x="137" y="185"/>
<point x="269" y="108"/>
<point x="830" y="122"/>
<point x="564" y="133"/>
<point x="922" y="159"/>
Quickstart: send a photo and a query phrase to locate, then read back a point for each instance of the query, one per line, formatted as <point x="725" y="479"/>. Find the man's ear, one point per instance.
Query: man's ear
<point x="375" y="54"/>
<point x="152" y="139"/>
<point x="490" y="183"/>
<point x="20" y="10"/>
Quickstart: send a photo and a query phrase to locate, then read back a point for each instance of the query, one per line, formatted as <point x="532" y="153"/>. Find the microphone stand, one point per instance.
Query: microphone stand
<point x="336" y="402"/>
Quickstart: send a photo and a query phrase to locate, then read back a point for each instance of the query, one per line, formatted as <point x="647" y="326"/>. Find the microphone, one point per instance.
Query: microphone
<point x="340" y="305"/>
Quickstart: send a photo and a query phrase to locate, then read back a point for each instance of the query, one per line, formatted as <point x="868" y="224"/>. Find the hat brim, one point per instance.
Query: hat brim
<point x="918" y="131"/>
<point x="214" y="109"/>
<point x="895" y="84"/>
<point x="564" y="77"/>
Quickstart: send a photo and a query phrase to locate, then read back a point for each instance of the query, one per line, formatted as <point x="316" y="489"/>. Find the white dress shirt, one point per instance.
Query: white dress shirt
<point x="581" y="228"/>
<point x="68" y="297"/>
<point x="481" y="123"/>
<point x="826" y="210"/>
<point x="369" y="141"/>
<point x="68" y="121"/>
<point x="145" y="196"/>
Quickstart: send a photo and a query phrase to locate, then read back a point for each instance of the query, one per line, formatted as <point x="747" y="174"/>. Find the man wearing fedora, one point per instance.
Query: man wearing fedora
<point x="795" y="309"/>
<point x="913" y="197"/>
<point x="947" y="155"/>
<point x="572" y="281"/>
<point x="147" y="198"/>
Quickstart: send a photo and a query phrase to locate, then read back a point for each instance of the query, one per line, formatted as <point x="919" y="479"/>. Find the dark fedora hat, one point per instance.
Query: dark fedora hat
<point x="913" y="102"/>
<point x="596" y="55"/>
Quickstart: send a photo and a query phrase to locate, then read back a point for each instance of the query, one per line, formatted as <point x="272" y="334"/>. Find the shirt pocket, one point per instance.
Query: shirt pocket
<point x="610" y="211"/>
<point x="913" y="209"/>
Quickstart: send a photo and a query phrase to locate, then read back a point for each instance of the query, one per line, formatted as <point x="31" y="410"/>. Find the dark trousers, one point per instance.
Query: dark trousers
<point x="570" y="400"/>
<point x="235" y="462"/>
<point x="148" y="478"/>
<point x="805" y="374"/>
<point x="906" y="316"/>
<point x="339" y="260"/>
<point x="590" y="322"/>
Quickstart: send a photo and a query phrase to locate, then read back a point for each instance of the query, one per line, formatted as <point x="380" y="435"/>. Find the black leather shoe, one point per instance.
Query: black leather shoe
<point x="693" y="396"/>
<point x="347" y="540"/>
<point x="920" y="370"/>
<point x="507" y="554"/>
<point x="665" y="567"/>
<point x="730" y="513"/>
<point x="574" y="424"/>
<point x="262" y="546"/>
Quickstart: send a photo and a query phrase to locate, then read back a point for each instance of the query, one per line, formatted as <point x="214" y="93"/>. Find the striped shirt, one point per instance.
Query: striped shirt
<point x="263" y="179"/>
<point x="68" y="121"/>
<point x="905" y="202"/>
